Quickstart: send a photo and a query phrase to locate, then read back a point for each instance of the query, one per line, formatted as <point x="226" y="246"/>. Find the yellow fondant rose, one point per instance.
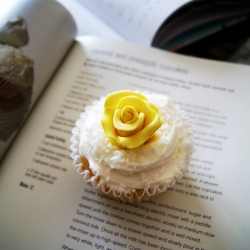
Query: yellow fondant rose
<point x="129" y="118"/>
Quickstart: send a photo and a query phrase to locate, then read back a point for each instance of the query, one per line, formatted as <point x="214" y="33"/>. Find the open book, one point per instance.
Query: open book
<point x="164" y="24"/>
<point x="47" y="29"/>
<point x="45" y="204"/>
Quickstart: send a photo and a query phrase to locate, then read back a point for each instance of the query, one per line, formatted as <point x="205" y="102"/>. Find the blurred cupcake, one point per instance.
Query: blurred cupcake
<point x="16" y="72"/>
<point x="12" y="113"/>
<point x="16" y="76"/>
<point x="132" y="146"/>
<point x="14" y="32"/>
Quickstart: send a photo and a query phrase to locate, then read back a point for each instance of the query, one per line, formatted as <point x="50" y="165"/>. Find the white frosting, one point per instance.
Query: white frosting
<point x="154" y="165"/>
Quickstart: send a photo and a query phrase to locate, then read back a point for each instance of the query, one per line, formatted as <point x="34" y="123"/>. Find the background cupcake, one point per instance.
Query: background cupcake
<point x="16" y="76"/>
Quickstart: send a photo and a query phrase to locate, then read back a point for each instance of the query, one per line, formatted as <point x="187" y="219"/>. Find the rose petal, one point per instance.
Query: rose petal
<point x="129" y="114"/>
<point x="127" y="129"/>
<point x="140" y="105"/>
<point x="142" y="136"/>
<point x="115" y="97"/>
<point x="107" y="121"/>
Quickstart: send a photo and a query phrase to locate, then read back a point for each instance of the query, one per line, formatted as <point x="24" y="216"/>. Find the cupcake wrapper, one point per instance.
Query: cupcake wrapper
<point x="7" y="89"/>
<point x="134" y="196"/>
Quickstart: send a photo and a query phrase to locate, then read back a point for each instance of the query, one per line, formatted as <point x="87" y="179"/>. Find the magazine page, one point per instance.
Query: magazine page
<point x="169" y="25"/>
<point x="46" y="204"/>
<point x="87" y="22"/>
<point x="34" y="37"/>
<point x="136" y="21"/>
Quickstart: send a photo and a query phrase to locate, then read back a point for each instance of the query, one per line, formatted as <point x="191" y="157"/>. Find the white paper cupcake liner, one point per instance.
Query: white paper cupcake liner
<point x="135" y="195"/>
<point x="7" y="89"/>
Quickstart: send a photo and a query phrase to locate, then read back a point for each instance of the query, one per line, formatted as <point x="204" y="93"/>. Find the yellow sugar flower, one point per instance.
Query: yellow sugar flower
<point x="129" y="118"/>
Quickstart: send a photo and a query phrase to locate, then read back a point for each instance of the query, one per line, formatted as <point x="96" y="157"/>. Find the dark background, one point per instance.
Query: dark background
<point x="231" y="44"/>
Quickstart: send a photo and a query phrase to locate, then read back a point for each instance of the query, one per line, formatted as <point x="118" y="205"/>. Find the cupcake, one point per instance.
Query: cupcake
<point x="16" y="76"/>
<point x="16" y="72"/>
<point x="14" y="32"/>
<point x="132" y="146"/>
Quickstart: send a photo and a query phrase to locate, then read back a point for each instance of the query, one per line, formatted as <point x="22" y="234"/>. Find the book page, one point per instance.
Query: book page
<point x="30" y="33"/>
<point x="136" y="21"/>
<point x="88" y="23"/>
<point x="46" y="204"/>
